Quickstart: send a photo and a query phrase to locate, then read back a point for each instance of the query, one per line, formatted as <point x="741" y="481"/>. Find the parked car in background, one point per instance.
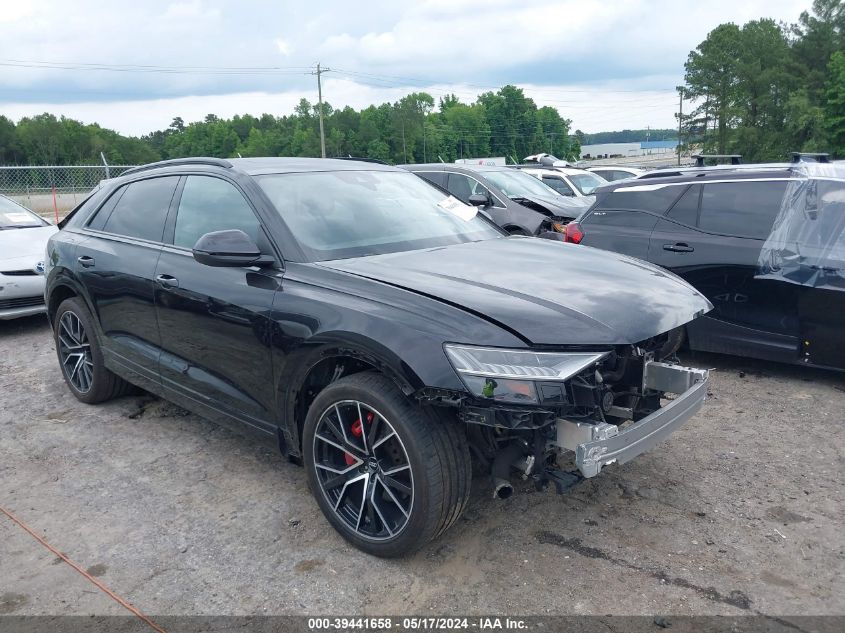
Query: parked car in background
<point x="546" y="160"/>
<point x="372" y="328"/>
<point x="613" y="173"/>
<point x="23" y="242"/>
<point x="513" y="200"/>
<point x="567" y="181"/>
<point x="765" y="244"/>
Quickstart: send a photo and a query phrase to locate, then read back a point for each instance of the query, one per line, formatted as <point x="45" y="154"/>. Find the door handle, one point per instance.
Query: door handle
<point x="85" y="261"/>
<point x="679" y="247"/>
<point x="167" y="281"/>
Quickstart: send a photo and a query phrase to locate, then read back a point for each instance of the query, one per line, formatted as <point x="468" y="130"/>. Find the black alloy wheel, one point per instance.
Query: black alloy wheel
<point x="388" y="474"/>
<point x="80" y="356"/>
<point x="363" y="470"/>
<point x="75" y="352"/>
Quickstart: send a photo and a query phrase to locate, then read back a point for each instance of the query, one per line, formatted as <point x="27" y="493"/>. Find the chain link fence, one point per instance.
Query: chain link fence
<point x="52" y="190"/>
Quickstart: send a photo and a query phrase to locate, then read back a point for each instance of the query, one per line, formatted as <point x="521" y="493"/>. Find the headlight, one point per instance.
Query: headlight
<point x="510" y="375"/>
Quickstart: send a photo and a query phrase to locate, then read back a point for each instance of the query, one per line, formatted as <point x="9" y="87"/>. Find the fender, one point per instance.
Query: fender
<point x="305" y="358"/>
<point x="61" y="276"/>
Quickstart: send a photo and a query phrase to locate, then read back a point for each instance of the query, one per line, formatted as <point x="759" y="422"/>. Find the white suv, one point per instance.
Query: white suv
<point x="616" y="172"/>
<point x="567" y="181"/>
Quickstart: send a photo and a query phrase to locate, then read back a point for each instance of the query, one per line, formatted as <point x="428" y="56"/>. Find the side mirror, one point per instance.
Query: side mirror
<point x="479" y="200"/>
<point x="226" y="248"/>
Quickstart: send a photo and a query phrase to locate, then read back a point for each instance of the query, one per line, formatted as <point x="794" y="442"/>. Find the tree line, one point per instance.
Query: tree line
<point x="626" y="136"/>
<point x="765" y="89"/>
<point x="411" y="130"/>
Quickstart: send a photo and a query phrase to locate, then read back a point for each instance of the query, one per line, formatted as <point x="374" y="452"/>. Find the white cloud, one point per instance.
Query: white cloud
<point x="189" y="11"/>
<point x="283" y="46"/>
<point x="14" y="12"/>
<point x="577" y="55"/>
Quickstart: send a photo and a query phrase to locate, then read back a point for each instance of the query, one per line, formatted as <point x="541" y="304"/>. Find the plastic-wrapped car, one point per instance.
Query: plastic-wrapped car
<point x="765" y="244"/>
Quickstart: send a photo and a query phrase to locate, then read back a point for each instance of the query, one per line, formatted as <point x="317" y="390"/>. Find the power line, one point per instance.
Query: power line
<point x="137" y="68"/>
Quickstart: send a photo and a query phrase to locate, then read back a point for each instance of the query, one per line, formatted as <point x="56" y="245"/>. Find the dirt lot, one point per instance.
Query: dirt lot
<point x="740" y="512"/>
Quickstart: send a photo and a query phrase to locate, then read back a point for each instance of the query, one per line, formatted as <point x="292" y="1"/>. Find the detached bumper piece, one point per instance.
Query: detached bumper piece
<point x="603" y="444"/>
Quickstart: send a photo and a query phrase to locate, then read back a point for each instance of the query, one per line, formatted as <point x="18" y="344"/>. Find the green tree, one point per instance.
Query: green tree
<point x="711" y="72"/>
<point x="835" y="102"/>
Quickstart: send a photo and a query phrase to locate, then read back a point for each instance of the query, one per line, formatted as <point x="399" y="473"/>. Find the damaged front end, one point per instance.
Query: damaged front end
<point x="534" y="410"/>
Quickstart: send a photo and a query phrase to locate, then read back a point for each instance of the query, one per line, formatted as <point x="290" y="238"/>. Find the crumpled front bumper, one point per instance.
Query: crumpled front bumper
<point x="691" y="386"/>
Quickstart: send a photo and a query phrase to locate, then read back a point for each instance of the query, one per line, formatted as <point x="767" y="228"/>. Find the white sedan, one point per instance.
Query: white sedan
<point x="23" y="242"/>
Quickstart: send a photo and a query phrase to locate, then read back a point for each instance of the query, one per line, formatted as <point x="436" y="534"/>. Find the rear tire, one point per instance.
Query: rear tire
<point x="391" y="493"/>
<point x="80" y="356"/>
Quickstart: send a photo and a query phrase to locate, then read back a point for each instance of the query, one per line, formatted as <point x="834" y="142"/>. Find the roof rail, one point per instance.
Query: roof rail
<point x="200" y="160"/>
<point x="810" y="157"/>
<point x="736" y="159"/>
<point x="362" y="160"/>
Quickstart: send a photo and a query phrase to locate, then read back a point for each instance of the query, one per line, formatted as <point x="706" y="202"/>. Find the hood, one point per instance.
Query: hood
<point x="548" y="292"/>
<point x="24" y="245"/>
<point x="568" y="207"/>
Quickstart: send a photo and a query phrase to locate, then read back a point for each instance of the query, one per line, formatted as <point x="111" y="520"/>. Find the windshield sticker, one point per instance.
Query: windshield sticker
<point x="18" y="218"/>
<point x="457" y="208"/>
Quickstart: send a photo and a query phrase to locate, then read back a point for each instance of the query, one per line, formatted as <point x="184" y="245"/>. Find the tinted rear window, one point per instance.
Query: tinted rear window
<point x="655" y="200"/>
<point x="685" y="210"/>
<point x="745" y="209"/>
<point x="142" y="209"/>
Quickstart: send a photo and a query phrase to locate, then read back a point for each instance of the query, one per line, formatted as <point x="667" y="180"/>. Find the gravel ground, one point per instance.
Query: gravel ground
<point x="739" y="512"/>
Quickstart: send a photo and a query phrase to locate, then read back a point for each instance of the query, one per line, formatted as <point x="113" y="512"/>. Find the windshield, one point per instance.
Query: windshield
<point x="335" y="215"/>
<point x="14" y="216"/>
<point x="587" y="182"/>
<point x="515" y="184"/>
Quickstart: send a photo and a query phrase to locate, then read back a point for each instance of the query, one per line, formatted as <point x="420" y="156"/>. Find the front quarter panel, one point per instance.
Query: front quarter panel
<point x="321" y="313"/>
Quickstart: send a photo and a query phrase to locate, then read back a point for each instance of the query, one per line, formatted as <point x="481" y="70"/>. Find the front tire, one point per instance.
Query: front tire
<point x="80" y="356"/>
<point x="389" y="475"/>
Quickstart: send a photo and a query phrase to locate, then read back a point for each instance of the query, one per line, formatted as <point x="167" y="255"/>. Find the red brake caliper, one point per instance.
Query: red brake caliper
<point x="357" y="431"/>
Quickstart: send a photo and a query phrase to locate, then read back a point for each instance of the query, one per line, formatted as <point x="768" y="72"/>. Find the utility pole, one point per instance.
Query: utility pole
<point x="319" y="72"/>
<point x="404" y="151"/>
<point x="680" y="121"/>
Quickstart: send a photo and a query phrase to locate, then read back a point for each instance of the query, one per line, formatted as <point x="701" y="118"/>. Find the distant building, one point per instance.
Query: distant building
<point x="628" y="150"/>
<point x="649" y="145"/>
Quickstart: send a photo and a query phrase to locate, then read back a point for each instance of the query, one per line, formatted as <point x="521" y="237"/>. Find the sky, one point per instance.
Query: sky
<point x="134" y="66"/>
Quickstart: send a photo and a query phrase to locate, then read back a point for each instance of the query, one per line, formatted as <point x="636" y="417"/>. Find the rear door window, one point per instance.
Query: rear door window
<point x="742" y="209"/>
<point x="685" y="209"/>
<point x="641" y="198"/>
<point x="141" y="209"/>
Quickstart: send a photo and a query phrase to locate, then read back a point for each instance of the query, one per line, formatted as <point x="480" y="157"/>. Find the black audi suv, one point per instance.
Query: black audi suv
<point x="380" y="332"/>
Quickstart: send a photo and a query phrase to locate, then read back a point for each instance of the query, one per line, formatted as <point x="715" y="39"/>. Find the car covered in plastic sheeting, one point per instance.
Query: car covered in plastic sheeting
<point x="764" y="243"/>
<point x="806" y="248"/>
